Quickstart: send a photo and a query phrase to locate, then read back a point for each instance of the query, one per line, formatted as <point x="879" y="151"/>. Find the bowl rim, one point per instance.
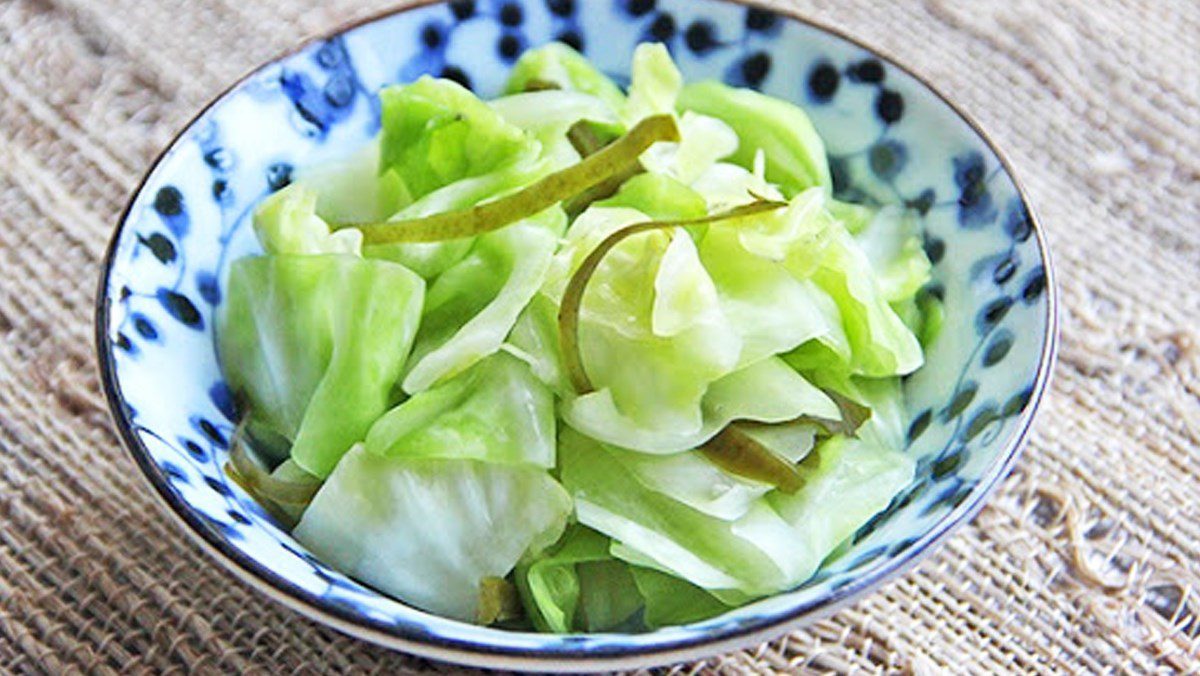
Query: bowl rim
<point x="280" y="589"/>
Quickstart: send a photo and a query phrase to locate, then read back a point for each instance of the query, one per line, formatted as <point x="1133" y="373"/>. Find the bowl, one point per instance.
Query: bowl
<point x="892" y="139"/>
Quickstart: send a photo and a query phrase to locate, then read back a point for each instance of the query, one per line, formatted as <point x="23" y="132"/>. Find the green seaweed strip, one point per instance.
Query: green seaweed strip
<point x="735" y="452"/>
<point x="853" y="413"/>
<point x="536" y="85"/>
<point x="498" y="601"/>
<point x="601" y="191"/>
<point x="259" y="482"/>
<point x="540" y="195"/>
<point x="853" y="416"/>
<point x="585" y="138"/>
<point x="587" y="141"/>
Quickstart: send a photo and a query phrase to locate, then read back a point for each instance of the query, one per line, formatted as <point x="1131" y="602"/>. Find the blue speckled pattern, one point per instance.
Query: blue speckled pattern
<point x="891" y="140"/>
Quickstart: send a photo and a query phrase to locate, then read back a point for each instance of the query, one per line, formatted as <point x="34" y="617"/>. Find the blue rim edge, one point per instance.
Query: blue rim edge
<point x="432" y="646"/>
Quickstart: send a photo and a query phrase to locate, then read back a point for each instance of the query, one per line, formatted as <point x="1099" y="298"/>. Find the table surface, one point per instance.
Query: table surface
<point x="1087" y="558"/>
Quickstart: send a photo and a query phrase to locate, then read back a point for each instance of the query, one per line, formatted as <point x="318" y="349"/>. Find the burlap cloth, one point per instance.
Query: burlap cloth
<point x="1086" y="560"/>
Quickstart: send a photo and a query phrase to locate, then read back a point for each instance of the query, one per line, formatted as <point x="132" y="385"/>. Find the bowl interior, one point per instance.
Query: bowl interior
<point x="891" y="140"/>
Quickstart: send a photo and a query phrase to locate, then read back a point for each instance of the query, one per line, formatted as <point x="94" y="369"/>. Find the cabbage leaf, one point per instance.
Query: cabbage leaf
<point x="795" y="154"/>
<point x="429" y="531"/>
<point x="471" y="307"/>
<point x="314" y="345"/>
<point x="496" y="411"/>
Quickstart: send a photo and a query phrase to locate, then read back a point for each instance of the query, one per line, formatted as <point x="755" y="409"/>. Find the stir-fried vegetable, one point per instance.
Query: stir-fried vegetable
<point x="576" y="359"/>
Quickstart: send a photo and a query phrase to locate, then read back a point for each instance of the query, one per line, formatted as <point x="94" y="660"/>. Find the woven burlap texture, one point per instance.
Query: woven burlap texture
<point x="1087" y="559"/>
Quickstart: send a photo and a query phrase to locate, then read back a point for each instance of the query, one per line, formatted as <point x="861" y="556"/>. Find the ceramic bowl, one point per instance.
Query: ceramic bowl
<point x="892" y="139"/>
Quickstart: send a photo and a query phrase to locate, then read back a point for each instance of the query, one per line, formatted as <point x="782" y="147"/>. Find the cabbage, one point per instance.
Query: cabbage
<point x="436" y="132"/>
<point x="429" y="531"/>
<point x="314" y="345"/>
<point x="287" y="223"/>
<point x="771" y="309"/>
<point x="578" y="585"/>
<point x="654" y="85"/>
<point x="892" y="244"/>
<point x="558" y="65"/>
<point x="652" y="334"/>
<point x="795" y="154"/>
<point x="451" y="151"/>
<point x="659" y="197"/>
<point x="669" y="600"/>
<point x="534" y="340"/>
<point x="851" y="481"/>
<point x="775" y="545"/>
<point x="548" y="115"/>
<point x="352" y="189"/>
<point x="880" y="344"/>
<point x="767" y="391"/>
<point x="472" y="306"/>
<point x="694" y="481"/>
<point x="496" y="411"/>
<point x="725" y="185"/>
<point x="704" y="141"/>
<point x="554" y="109"/>
<point x="702" y="549"/>
<point x="833" y="281"/>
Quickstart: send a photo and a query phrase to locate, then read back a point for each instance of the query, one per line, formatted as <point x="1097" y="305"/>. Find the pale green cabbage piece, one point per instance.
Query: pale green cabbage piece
<point x="451" y="151"/>
<point x="703" y="141"/>
<point x="659" y="197"/>
<point x="880" y="343"/>
<point x="578" y="585"/>
<point x="818" y="251"/>
<point x="314" y="344"/>
<point x="725" y="185"/>
<point x="694" y="481"/>
<point x="652" y="334"/>
<point x="853" y="480"/>
<point x="428" y="531"/>
<point x="654" y="83"/>
<point x="352" y="189"/>
<point x="286" y="222"/>
<point x="795" y="154"/>
<point x="892" y="243"/>
<point x="670" y="601"/>
<point x="548" y="115"/>
<point x="496" y="411"/>
<point x="699" y="548"/>
<point x="777" y="544"/>
<point x="471" y="307"/>
<point x="534" y="340"/>
<point x="772" y="309"/>
<point x="436" y="132"/>
<point x="887" y="425"/>
<point x="766" y="391"/>
<point x="559" y="64"/>
<point x="555" y="109"/>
